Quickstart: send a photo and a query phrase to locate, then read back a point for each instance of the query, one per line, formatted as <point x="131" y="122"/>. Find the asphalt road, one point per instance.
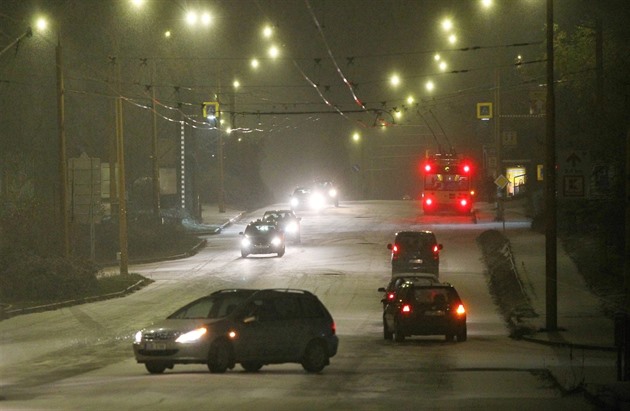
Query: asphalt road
<point x="81" y="358"/>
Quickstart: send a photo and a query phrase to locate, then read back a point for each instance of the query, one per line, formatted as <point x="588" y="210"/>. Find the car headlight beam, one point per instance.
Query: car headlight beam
<point x="192" y="336"/>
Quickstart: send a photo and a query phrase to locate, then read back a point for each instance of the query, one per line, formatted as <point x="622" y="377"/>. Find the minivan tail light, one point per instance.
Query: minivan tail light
<point x="436" y="249"/>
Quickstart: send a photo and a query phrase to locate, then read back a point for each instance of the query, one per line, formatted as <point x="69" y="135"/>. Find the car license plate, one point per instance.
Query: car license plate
<point x="437" y="313"/>
<point x="417" y="261"/>
<point x="155" y="346"/>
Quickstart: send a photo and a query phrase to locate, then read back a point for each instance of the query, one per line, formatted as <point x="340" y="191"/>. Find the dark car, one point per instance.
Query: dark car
<point x="415" y="251"/>
<point x="399" y="279"/>
<point x="262" y="237"/>
<point x="425" y="310"/>
<point x="288" y="222"/>
<point x="249" y="327"/>
<point x="301" y="199"/>
<point x="327" y="191"/>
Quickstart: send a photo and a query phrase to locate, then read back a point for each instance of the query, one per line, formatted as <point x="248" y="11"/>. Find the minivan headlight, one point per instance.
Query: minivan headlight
<point x="138" y="337"/>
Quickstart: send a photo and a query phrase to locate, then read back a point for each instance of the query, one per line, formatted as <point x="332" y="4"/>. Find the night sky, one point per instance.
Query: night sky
<point x="349" y="49"/>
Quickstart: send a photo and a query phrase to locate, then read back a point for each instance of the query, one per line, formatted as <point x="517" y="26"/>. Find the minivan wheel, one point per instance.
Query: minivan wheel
<point x="251" y="366"/>
<point x="155" y="367"/>
<point x="315" y="357"/>
<point x="219" y="357"/>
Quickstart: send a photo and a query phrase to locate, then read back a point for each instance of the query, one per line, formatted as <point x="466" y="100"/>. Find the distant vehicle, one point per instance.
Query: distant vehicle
<point x="301" y="199"/>
<point x="401" y="278"/>
<point x="262" y="237"/>
<point x="425" y="310"/>
<point x="315" y="196"/>
<point x="249" y="327"/>
<point x="328" y="191"/>
<point x="447" y="184"/>
<point x="415" y="251"/>
<point x="288" y="222"/>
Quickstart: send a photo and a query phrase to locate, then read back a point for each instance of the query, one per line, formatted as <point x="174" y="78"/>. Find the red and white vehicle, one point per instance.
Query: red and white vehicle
<point x="447" y="184"/>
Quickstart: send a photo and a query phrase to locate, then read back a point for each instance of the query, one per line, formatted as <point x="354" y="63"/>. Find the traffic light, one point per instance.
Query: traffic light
<point x="210" y="110"/>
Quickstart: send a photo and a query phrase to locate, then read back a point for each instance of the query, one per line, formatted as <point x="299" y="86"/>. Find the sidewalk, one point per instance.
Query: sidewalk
<point x="213" y="220"/>
<point x="583" y="330"/>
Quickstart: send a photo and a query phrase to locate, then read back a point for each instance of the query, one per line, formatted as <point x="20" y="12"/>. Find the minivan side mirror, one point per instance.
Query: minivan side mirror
<point x="440" y="246"/>
<point x="389" y="246"/>
<point x="381" y="289"/>
<point x="241" y="233"/>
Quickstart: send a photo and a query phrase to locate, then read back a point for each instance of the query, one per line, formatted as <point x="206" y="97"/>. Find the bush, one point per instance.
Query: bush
<point x="28" y="276"/>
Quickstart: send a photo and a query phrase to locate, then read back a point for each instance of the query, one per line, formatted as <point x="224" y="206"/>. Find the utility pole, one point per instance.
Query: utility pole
<point x="154" y="149"/>
<point x="63" y="166"/>
<point x="122" y="199"/>
<point x="551" y="277"/>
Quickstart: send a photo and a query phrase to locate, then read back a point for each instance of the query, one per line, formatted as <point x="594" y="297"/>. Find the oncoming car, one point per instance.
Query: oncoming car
<point x="287" y="221"/>
<point x="316" y="196"/>
<point x="425" y="310"/>
<point x="262" y="237"/>
<point x="252" y="328"/>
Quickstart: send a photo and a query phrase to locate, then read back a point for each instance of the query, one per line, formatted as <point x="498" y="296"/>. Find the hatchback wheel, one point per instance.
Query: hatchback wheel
<point x="462" y="335"/>
<point x="219" y="357"/>
<point x="398" y="335"/>
<point x="251" y="366"/>
<point x="281" y="253"/>
<point x="315" y="357"/>
<point x="155" y="367"/>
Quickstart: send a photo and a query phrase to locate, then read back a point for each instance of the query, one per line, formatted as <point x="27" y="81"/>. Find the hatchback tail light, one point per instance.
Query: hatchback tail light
<point x="406" y="309"/>
<point x="460" y="310"/>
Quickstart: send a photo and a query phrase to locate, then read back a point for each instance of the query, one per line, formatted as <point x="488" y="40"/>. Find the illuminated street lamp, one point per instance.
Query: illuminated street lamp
<point x="274" y="52"/>
<point x="395" y="80"/>
<point x="429" y="85"/>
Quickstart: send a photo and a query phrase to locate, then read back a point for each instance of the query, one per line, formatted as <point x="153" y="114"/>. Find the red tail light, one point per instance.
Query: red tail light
<point x="406" y="309"/>
<point x="427" y="168"/>
<point x="436" y="249"/>
<point x="428" y="201"/>
<point x="460" y="310"/>
<point x="463" y="202"/>
<point x="334" y="328"/>
<point x="391" y="296"/>
<point x="395" y="249"/>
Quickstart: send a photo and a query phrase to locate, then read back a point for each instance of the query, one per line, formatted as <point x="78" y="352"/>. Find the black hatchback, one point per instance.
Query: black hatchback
<point x="248" y="327"/>
<point x="425" y="310"/>
<point x="415" y="251"/>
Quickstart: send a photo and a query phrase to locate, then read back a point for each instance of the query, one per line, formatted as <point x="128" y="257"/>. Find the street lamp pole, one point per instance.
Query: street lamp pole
<point x="63" y="167"/>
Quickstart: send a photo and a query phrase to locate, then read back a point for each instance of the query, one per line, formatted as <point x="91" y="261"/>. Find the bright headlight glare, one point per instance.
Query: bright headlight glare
<point x="246" y="242"/>
<point x="294" y="202"/>
<point x="291" y="227"/>
<point x="332" y="192"/>
<point x="191" y="336"/>
<point x="276" y="241"/>
<point x="138" y="336"/>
